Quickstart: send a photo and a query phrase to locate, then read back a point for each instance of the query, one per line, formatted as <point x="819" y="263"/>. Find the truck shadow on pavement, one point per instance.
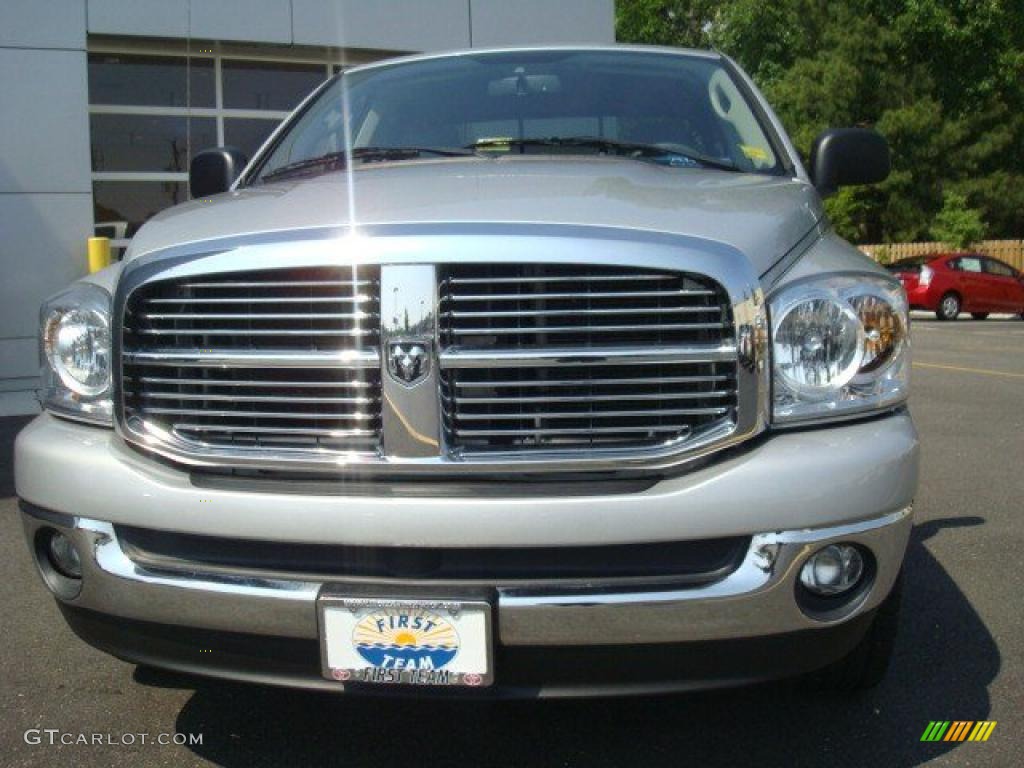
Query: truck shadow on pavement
<point x="944" y="662"/>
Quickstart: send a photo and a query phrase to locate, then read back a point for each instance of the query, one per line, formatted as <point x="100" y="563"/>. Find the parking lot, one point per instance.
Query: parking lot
<point x="960" y="654"/>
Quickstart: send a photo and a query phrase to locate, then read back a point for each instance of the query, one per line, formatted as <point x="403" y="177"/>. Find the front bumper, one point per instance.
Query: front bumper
<point x="792" y="493"/>
<point x="744" y="627"/>
<point x="755" y="599"/>
<point x="521" y="671"/>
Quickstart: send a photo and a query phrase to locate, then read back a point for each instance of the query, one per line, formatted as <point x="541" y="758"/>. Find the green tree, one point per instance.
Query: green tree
<point x="958" y="225"/>
<point x="682" y="23"/>
<point x="942" y="80"/>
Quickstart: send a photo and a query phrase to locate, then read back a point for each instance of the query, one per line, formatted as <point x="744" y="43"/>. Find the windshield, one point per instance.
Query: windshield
<point x="530" y="102"/>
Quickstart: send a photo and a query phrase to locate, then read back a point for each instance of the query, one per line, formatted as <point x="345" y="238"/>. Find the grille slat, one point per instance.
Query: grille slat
<point x="575" y="295"/>
<point x="251" y="414"/>
<point x="320" y="432"/>
<point x="500" y="357"/>
<point x="244" y="332"/>
<point x="590" y="312"/>
<point x="654" y="380"/>
<point x="222" y="357"/>
<point x="519" y="331"/>
<point x="259" y="300"/>
<point x="552" y="431"/>
<point x="578" y="278"/>
<point x="573" y="279"/>
<point x="250" y="316"/>
<point x="237" y="398"/>
<point x="256" y="384"/>
<point x="587" y="414"/>
<point x="588" y="397"/>
<point x="529" y="365"/>
<point x="263" y="285"/>
<point x="215" y="361"/>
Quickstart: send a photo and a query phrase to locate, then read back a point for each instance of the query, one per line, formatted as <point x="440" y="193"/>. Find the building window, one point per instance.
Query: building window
<point x="151" y="81"/>
<point x="148" y="143"/>
<point x="153" y="106"/>
<point x="268" y="84"/>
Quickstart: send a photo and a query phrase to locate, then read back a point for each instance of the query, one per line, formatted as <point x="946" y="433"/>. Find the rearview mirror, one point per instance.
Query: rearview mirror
<point x="525" y="85"/>
<point x="846" y="157"/>
<point x="213" y="171"/>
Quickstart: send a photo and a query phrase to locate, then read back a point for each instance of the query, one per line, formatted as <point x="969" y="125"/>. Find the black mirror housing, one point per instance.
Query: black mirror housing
<point x="213" y="171"/>
<point x="847" y="157"/>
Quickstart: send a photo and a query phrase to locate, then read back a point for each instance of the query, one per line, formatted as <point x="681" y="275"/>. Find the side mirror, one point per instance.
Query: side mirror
<point x="846" y="157"/>
<point x="213" y="171"/>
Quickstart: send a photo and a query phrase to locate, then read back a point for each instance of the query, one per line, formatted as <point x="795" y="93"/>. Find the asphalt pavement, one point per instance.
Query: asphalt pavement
<point x="960" y="655"/>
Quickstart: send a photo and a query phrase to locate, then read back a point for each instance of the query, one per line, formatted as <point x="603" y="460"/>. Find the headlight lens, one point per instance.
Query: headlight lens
<point x="818" y="345"/>
<point x="883" y="330"/>
<point x="840" y="347"/>
<point x="76" y="353"/>
<point x="77" y="344"/>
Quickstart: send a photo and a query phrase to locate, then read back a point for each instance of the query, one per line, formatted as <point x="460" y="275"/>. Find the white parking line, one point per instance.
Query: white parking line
<point x="960" y="369"/>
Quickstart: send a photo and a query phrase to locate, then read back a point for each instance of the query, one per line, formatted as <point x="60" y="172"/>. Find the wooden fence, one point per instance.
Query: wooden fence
<point x="1010" y="251"/>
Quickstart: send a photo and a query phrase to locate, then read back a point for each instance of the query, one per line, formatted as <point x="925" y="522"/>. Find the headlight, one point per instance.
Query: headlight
<point x="75" y="351"/>
<point x="840" y="346"/>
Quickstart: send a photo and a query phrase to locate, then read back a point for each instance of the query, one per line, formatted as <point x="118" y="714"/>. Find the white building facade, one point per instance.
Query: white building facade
<point x="103" y="103"/>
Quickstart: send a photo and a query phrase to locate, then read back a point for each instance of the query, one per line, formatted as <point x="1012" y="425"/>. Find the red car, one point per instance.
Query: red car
<point x="950" y="283"/>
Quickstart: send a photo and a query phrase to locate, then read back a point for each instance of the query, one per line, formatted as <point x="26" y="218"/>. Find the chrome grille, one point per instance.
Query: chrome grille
<point x="581" y="357"/>
<point x="545" y="359"/>
<point x="282" y="359"/>
<point x="546" y="305"/>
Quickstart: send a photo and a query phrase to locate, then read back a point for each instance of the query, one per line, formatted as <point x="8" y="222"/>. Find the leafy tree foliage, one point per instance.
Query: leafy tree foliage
<point x="942" y="80"/>
<point x="682" y="23"/>
<point x="958" y="225"/>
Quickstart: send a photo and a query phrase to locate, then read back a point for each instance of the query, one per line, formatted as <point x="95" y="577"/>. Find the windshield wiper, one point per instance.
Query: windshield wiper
<point x="622" y="148"/>
<point x="338" y="160"/>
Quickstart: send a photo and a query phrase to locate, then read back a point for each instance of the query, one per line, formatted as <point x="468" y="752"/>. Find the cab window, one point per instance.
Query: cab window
<point x="968" y="264"/>
<point x="998" y="268"/>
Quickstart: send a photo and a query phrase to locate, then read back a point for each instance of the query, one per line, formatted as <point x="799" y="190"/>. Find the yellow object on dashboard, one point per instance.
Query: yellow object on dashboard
<point x="754" y="153"/>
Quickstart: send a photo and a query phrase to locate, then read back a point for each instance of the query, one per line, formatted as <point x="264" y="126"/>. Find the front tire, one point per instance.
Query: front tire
<point x="979" y="315"/>
<point x="866" y="665"/>
<point x="949" y="307"/>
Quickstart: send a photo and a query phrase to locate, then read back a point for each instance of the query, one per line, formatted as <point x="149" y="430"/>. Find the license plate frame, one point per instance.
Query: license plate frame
<point x="348" y="621"/>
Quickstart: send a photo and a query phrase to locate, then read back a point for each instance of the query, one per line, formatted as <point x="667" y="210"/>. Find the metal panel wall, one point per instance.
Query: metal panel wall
<point x="265" y="21"/>
<point x="539" y="22"/>
<point x="389" y="25"/>
<point x="42" y="24"/>
<point x="45" y="192"/>
<point x="393" y="25"/>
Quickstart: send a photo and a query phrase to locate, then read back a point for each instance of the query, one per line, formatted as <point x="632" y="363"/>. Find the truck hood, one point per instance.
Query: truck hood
<point x="762" y="216"/>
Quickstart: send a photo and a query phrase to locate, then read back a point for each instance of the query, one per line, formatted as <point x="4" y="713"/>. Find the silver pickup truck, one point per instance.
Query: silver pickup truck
<point x="495" y="373"/>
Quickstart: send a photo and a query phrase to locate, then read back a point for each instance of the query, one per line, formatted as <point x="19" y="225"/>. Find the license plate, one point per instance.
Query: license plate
<point x="405" y="642"/>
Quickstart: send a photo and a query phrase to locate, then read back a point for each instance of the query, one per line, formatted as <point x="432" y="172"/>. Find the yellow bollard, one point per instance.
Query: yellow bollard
<point x="99" y="253"/>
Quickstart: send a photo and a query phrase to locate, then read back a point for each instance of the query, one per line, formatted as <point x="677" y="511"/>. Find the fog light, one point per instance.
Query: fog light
<point x="832" y="570"/>
<point x="63" y="556"/>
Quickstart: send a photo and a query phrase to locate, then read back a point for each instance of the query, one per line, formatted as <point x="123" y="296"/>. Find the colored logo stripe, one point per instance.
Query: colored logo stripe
<point x="958" y="730"/>
<point x="982" y="731"/>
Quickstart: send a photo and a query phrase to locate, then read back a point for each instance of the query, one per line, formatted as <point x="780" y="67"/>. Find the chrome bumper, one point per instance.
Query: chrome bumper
<point x="757" y="599"/>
